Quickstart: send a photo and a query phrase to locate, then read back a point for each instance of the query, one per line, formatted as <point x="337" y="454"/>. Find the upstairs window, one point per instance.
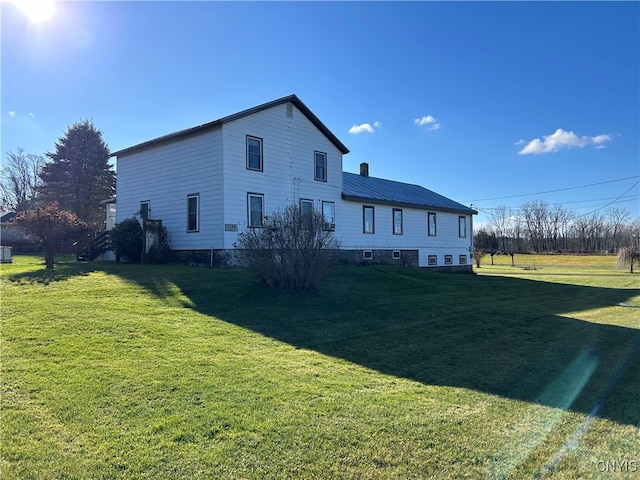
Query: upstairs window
<point x="462" y="227"/>
<point x="320" y="166"/>
<point x="254" y="153"/>
<point x="397" y="221"/>
<point x="368" y="219"/>
<point x="193" y="213"/>
<point x="431" y="220"/>
<point x="329" y="216"/>
<point x="255" y="207"/>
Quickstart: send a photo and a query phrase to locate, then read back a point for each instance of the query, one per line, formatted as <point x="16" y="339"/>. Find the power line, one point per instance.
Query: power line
<point x="610" y="203"/>
<point x="597" y="201"/>
<point x="551" y="191"/>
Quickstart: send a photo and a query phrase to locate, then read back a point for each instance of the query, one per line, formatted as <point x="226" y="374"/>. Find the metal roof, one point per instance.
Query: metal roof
<point x="217" y="123"/>
<point x="360" y="188"/>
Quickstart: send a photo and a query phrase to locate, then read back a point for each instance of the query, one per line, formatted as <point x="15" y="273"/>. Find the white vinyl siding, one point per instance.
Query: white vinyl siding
<point x="287" y="175"/>
<point x="164" y="175"/>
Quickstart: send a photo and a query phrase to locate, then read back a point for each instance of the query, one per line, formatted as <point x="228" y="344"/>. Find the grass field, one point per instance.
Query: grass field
<point x="129" y="371"/>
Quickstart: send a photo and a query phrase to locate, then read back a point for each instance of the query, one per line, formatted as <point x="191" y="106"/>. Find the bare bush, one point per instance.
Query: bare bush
<point x="293" y="250"/>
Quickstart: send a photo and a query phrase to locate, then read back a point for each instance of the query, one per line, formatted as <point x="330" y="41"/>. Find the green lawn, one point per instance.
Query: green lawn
<point x="129" y="371"/>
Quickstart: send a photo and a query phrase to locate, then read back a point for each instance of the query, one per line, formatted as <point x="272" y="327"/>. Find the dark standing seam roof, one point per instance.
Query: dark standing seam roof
<point x="359" y="188"/>
<point x="216" y="123"/>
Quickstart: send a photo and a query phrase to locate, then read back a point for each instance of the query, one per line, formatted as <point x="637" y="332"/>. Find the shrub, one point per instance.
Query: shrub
<point x="293" y="250"/>
<point x="126" y="240"/>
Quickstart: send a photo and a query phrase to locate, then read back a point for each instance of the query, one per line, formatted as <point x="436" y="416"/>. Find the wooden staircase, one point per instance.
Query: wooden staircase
<point x="96" y="247"/>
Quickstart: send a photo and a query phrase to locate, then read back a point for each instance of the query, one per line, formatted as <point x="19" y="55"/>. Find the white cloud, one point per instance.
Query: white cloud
<point x="522" y="141"/>
<point x="561" y="139"/>
<point x="12" y="113"/>
<point x="427" y="120"/>
<point x="364" y="127"/>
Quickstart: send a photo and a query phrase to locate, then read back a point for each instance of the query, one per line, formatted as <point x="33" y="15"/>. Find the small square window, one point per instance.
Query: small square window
<point x="254" y="153"/>
<point x="463" y="259"/>
<point x="396" y="255"/>
<point x="367" y="254"/>
<point x="448" y="259"/>
<point x="320" y="166"/>
<point x="433" y="260"/>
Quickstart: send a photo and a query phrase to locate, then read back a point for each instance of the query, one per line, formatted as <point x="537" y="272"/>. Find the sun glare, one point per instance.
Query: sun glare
<point x="37" y="11"/>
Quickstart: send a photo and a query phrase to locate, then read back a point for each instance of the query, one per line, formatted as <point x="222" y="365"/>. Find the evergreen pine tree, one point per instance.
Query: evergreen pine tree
<point x="79" y="175"/>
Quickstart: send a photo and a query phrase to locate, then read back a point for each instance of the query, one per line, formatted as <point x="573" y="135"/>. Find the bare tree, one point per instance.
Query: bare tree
<point x="500" y="217"/>
<point x="19" y="180"/>
<point x="617" y="218"/>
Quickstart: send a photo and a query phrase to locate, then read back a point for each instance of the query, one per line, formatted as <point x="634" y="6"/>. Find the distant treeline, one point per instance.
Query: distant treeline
<point x="539" y="227"/>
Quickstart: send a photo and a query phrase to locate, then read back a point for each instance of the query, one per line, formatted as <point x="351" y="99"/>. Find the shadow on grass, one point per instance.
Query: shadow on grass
<point x="503" y="336"/>
<point x="60" y="273"/>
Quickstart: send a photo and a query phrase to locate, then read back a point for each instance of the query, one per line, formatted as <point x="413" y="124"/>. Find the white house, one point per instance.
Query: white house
<point x="209" y="183"/>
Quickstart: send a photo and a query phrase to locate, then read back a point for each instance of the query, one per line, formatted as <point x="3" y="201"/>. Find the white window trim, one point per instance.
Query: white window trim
<point x="367" y="254"/>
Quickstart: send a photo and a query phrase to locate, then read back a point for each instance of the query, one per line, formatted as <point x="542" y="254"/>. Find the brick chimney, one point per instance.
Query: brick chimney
<point x="364" y="169"/>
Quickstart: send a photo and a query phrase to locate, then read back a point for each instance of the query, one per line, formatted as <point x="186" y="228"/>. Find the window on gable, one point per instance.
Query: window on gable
<point x="193" y="213"/>
<point x="255" y="204"/>
<point x="462" y="227"/>
<point x="306" y="213"/>
<point x="320" y="166"/>
<point x="329" y="215"/>
<point x="254" y="153"/>
<point x="144" y="210"/>
<point x="397" y="221"/>
<point x="368" y="219"/>
<point x="431" y="220"/>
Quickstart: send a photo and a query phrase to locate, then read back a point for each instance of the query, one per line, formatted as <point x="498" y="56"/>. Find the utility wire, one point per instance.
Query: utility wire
<point x="613" y="201"/>
<point x="552" y="191"/>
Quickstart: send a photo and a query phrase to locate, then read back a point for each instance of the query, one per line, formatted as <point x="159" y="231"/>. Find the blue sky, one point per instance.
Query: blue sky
<point x="482" y="102"/>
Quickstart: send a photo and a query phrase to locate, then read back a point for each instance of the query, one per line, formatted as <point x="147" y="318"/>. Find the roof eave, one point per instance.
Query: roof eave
<point x="418" y="206"/>
<point x="235" y="116"/>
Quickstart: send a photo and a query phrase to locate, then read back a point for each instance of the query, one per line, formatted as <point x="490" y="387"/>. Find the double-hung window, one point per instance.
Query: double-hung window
<point x="397" y="221"/>
<point x="329" y="216"/>
<point x="320" y="166"/>
<point x="462" y="226"/>
<point x="255" y="207"/>
<point x="306" y="213"/>
<point x="254" y="153"/>
<point x="193" y="213"/>
<point x="144" y="210"/>
<point x="431" y="220"/>
<point x="368" y="219"/>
